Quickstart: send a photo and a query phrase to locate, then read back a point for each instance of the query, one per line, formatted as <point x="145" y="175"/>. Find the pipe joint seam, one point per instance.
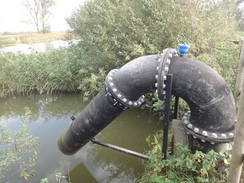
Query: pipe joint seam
<point x="113" y="100"/>
<point x="204" y="135"/>
<point x="118" y="96"/>
<point x="164" y="61"/>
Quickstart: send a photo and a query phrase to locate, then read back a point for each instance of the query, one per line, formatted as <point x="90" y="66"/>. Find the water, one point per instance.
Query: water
<point x="38" y="47"/>
<point x="51" y="117"/>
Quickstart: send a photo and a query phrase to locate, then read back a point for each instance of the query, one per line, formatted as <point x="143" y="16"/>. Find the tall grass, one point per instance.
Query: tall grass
<point x="62" y="70"/>
<point x="67" y="70"/>
<point x="54" y="70"/>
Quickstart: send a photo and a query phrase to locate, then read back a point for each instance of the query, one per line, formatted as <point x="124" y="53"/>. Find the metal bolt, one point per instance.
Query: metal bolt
<point x="115" y="90"/>
<point x="156" y="85"/>
<point x="205" y="133"/>
<point x="111" y="84"/>
<point x="156" y="76"/>
<point x="124" y="100"/>
<point x="231" y="134"/>
<point x="214" y="135"/>
<point x="223" y="135"/>
<point x="196" y="130"/>
<point x="189" y="125"/>
<point x="130" y="103"/>
<point x="167" y="61"/>
<point x="186" y="122"/>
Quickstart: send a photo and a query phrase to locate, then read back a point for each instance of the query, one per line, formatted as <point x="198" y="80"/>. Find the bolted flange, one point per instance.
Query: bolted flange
<point x="118" y="98"/>
<point x="203" y="134"/>
<point x="164" y="61"/>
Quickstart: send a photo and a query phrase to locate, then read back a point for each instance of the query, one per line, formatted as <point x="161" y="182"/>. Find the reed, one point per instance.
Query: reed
<point x="52" y="71"/>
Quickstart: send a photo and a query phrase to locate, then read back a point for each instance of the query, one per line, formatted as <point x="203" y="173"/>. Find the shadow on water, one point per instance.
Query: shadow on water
<point x="51" y="117"/>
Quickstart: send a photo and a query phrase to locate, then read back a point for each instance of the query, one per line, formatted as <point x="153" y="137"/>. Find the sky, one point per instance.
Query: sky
<point x="12" y="15"/>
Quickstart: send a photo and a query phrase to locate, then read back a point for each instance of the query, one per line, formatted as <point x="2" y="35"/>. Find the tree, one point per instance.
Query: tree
<point x="39" y="11"/>
<point x="238" y="147"/>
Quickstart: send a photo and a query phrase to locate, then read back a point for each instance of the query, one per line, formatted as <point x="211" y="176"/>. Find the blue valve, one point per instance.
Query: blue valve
<point x="183" y="49"/>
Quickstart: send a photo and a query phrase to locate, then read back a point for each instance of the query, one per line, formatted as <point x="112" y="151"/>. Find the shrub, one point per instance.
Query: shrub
<point x="185" y="167"/>
<point x="114" y="31"/>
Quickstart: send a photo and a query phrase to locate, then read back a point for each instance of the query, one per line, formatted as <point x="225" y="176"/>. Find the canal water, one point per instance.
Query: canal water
<point x="93" y="163"/>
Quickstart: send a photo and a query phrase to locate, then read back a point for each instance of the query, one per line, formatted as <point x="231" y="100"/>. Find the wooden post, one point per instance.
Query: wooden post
<point x="240" y="72"/>
<point x="238" y="148"/>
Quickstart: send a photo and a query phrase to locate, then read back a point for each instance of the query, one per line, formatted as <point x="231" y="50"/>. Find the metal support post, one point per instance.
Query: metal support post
<point x="167" y="114"/>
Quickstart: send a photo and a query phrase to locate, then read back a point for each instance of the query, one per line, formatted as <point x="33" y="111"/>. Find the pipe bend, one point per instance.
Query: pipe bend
<point x="210" y="99"/>
<point x="207" y="94"/>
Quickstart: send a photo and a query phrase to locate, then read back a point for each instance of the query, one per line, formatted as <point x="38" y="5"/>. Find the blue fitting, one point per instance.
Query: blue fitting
<point x="183" y="49"/>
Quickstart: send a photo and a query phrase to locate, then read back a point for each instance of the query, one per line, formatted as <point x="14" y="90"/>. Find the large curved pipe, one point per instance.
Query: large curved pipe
<point x="207" y="94"/>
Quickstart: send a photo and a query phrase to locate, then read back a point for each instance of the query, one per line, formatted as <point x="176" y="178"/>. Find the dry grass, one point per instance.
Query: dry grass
<point x="9" y="40"/>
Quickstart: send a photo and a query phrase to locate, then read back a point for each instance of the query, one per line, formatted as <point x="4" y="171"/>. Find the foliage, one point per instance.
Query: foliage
<point x="224" y="59"/>
<point x="54" y="70"/>
<point x="39" y="11"/>
<point x="114" y="31"/>
<point x="186" y="167"/>
<point x="17" y="154"/>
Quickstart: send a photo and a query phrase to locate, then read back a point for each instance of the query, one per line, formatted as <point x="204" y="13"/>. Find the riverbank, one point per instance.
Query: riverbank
<point x="30" y="38"/>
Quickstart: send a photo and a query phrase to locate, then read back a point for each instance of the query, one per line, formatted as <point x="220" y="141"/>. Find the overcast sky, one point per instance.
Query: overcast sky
<point x="12" y="15"/>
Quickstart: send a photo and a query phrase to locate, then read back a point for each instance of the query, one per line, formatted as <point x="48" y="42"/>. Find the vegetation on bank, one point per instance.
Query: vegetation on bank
<point x="186" y="166"/>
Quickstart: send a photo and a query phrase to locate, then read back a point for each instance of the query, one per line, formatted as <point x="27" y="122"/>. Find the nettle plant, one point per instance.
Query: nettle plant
<point x="186" y="167"/>
<point x="18" y="152"/>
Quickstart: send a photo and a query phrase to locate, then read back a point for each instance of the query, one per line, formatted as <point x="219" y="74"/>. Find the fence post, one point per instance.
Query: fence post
<point x="238" y="147"/>
<point x="240" y="71"/>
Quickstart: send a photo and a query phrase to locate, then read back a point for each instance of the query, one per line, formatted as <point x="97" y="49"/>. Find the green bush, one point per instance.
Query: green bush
<point x="185" y="167"/>
<point x="116" y="31"/>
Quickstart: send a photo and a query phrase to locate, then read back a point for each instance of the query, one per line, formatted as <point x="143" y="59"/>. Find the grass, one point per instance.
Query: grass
<point x="29" y="38"/>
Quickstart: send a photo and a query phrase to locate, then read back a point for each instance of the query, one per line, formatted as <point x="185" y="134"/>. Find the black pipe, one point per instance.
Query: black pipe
<point x="208" y="96"/>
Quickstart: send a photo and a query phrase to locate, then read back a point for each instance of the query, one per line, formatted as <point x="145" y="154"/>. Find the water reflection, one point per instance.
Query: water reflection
<point x="51" y="117"/>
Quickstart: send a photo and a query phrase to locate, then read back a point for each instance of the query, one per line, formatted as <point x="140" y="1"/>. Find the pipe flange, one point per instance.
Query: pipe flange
<point x="204" y="135"/>
<point x="164" y="61"/>
<point x="114" y="91"/>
